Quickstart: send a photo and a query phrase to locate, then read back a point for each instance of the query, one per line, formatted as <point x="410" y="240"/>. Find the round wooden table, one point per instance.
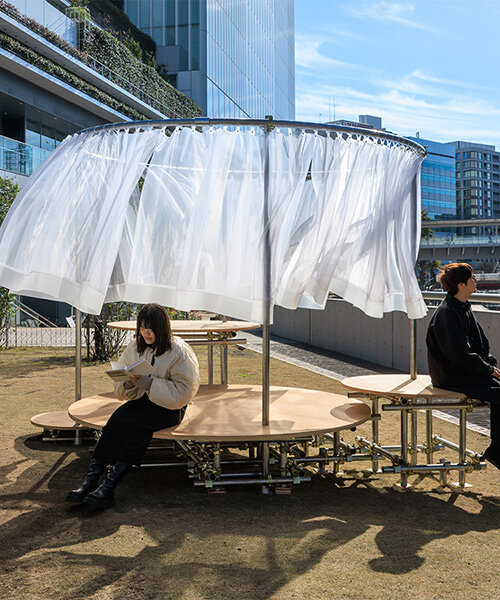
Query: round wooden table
<point x="58" y="420"/>
<point x="408" y="395"/>
<point x="203" y="332"/>
<point x="234" y="413"/>
<point x="398" y="386"/>
<point x="194" y="326"/>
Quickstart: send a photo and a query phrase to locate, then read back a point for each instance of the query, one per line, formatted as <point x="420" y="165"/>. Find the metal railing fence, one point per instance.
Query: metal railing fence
<point x="19" y="157"/>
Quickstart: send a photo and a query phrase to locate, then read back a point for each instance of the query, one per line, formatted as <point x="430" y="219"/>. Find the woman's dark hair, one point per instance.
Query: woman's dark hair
<point x="453" y="274"/>
<point x="155" y="317"/>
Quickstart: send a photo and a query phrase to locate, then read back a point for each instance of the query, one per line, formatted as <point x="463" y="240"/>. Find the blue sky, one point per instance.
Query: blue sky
<point x="431" y="66"/>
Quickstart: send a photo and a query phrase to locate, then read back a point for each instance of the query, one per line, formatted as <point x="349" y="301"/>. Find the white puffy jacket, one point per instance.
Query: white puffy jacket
<point x="176" y="376"/>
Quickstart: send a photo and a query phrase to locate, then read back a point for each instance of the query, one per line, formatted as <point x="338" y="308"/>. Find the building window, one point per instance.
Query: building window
<point x="144" y="14"/>
<point x="183" y="48"/>
<point x="183" y="14"/>
<point x="132" y="10"/>
<point x="170" y="13"/>
<point x="195" y="47"/>
<point x="156" y="14"/>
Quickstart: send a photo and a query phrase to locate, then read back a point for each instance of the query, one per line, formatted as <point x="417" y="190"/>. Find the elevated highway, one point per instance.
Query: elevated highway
<point x="460" y="247"/>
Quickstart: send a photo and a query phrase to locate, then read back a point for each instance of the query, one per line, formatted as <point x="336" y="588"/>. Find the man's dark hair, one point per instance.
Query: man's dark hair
<point x="155" y="317"/>
<point x="453" y="274"/>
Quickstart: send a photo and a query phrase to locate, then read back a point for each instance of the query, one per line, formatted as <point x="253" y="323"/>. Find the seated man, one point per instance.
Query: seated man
<point x="458" y="351"/>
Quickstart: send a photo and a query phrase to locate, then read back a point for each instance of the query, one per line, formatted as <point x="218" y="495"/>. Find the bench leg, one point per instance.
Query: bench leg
<point x="462" y="446"/>
<point x="210" y="364"/>
<point x="403" y="482"/>
<point x="414" y="441"/>
<point x="265" y="467"/>
<point x="375" y="430"/>
<point x="429" y="439"/>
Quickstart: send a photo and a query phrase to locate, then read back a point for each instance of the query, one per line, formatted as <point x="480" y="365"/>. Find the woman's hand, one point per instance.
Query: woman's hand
<point x="141" y="381"/>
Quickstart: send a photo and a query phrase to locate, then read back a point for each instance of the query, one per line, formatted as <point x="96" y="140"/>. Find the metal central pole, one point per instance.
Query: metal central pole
<point x="78" y="355"/>
<point x="413" y="348"/>
<point x="266" y="325"/>
<point x="416" y="232"/>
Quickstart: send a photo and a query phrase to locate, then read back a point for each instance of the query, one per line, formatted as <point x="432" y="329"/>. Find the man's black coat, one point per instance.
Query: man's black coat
<point x="457" y="349"/>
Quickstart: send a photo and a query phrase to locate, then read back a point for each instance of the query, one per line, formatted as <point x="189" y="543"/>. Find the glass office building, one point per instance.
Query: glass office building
<point x="234" y="58"/>
<point x="438" y="181"/>
<point x="478" y="180"/>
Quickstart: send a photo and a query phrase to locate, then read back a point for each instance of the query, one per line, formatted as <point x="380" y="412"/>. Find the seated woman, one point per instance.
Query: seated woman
<point x="152" y="403"/>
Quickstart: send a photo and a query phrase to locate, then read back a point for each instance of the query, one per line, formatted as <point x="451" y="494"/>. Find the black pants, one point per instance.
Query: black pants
<point x="129" y="430"/>
<point x="486" y="389"/>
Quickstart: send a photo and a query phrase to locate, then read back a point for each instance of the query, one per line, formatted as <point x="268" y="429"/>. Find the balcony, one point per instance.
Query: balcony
<point x="20" y="158"/>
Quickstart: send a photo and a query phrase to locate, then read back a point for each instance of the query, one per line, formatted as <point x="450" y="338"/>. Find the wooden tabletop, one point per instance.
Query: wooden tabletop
<point x="55" y="420"/>
<point x="194" y="326"/>
<point x="233" y="413"/>
<point x="399" y="386"/>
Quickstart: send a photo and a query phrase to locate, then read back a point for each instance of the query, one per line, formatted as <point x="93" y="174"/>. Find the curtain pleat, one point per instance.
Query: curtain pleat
<point x="177" y="217"/>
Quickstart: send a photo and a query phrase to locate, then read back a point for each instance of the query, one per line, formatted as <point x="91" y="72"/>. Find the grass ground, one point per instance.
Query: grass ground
<point x="165" y="539"/>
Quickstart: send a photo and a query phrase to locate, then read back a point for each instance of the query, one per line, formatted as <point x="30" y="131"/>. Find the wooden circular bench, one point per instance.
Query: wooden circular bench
<point x="58" y="420"/>
<point x="408" y="395"/>
<point x="233" y="413"/>
<point x="199" y="332"/>
<point x="398" y="386"/>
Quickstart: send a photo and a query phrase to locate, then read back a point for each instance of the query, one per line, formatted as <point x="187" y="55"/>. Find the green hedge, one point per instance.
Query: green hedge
<point x="120" y="21"/>
<point x="49" y="35"/>
<point x="112" y="53"/>
<point x="108" y="50"/>
<point x="30" y="56"/>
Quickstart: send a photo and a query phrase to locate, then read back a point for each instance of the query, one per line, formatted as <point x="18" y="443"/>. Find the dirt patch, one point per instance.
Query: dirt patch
<point x="347" y="539"/>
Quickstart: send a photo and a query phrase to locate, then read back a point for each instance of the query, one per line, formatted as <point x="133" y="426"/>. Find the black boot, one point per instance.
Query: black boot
<point x="90" y="483"/>
<point x="104" y="494"/>
<point x="492" y="453"/>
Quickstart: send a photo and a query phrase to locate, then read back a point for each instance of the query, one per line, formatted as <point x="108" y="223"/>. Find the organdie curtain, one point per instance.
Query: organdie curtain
<point x="192" y="234"/>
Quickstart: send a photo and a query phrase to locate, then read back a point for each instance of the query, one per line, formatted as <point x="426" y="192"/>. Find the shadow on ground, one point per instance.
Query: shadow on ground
<point x="165" y="539"/>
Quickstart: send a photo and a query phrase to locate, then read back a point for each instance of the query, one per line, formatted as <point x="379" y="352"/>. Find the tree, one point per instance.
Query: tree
<point x="426" y="268"/>
<point x="8" y="192"/>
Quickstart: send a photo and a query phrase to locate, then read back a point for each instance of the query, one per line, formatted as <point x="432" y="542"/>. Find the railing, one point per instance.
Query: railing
<point x="125" y="84"/>
<point x="16" y="336"/>
<point x="471" y="240"/>
<point x="18" y="157"/>
<point x="479" y="298"/>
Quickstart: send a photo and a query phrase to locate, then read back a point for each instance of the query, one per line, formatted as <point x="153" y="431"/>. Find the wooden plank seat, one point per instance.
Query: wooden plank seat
<point x="408" y="396"/>
<point x="200" y="332"/>
<point x="55" y="422"/>
<point x="58" y="419"/>
<point x="398" y="386"/>
<point x="194" y="326"/>
<point x="233" y="413"/>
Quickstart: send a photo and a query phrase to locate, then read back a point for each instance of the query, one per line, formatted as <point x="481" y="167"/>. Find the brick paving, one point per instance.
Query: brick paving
<point x="338" y="366"/>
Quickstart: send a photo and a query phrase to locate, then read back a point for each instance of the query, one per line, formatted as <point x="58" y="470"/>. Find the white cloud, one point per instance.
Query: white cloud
<point x="441" y="116"/>
<point x="401" y="13"/>
<point x="308" y="54"/>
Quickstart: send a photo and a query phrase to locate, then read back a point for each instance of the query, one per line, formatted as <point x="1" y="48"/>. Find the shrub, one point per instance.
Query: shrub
<point x="8" y="192"/>
<point x="112" y="53"/>
<point x="48" y="66"/>
<point x="116" y="56"/>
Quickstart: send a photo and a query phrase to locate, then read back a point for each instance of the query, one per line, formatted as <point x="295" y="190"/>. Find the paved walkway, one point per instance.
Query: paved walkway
<point x="338" y="366"/>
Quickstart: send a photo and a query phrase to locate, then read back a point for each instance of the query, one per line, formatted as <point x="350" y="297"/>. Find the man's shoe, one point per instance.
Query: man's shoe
<point x="104" y="495"/>
<point x="90" y="483"/>
<point x="492" y="456"/>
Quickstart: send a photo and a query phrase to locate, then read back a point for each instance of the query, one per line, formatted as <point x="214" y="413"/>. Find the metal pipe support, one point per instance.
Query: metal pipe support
<point x="267" y="482"/>
<point x="452" y="446"/>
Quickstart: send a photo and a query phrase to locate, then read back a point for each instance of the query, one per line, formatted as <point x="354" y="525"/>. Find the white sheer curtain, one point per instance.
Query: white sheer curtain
<point x="340" y="219"/>
<point x="60" y="238"/>
<point x="355" y="233"/>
